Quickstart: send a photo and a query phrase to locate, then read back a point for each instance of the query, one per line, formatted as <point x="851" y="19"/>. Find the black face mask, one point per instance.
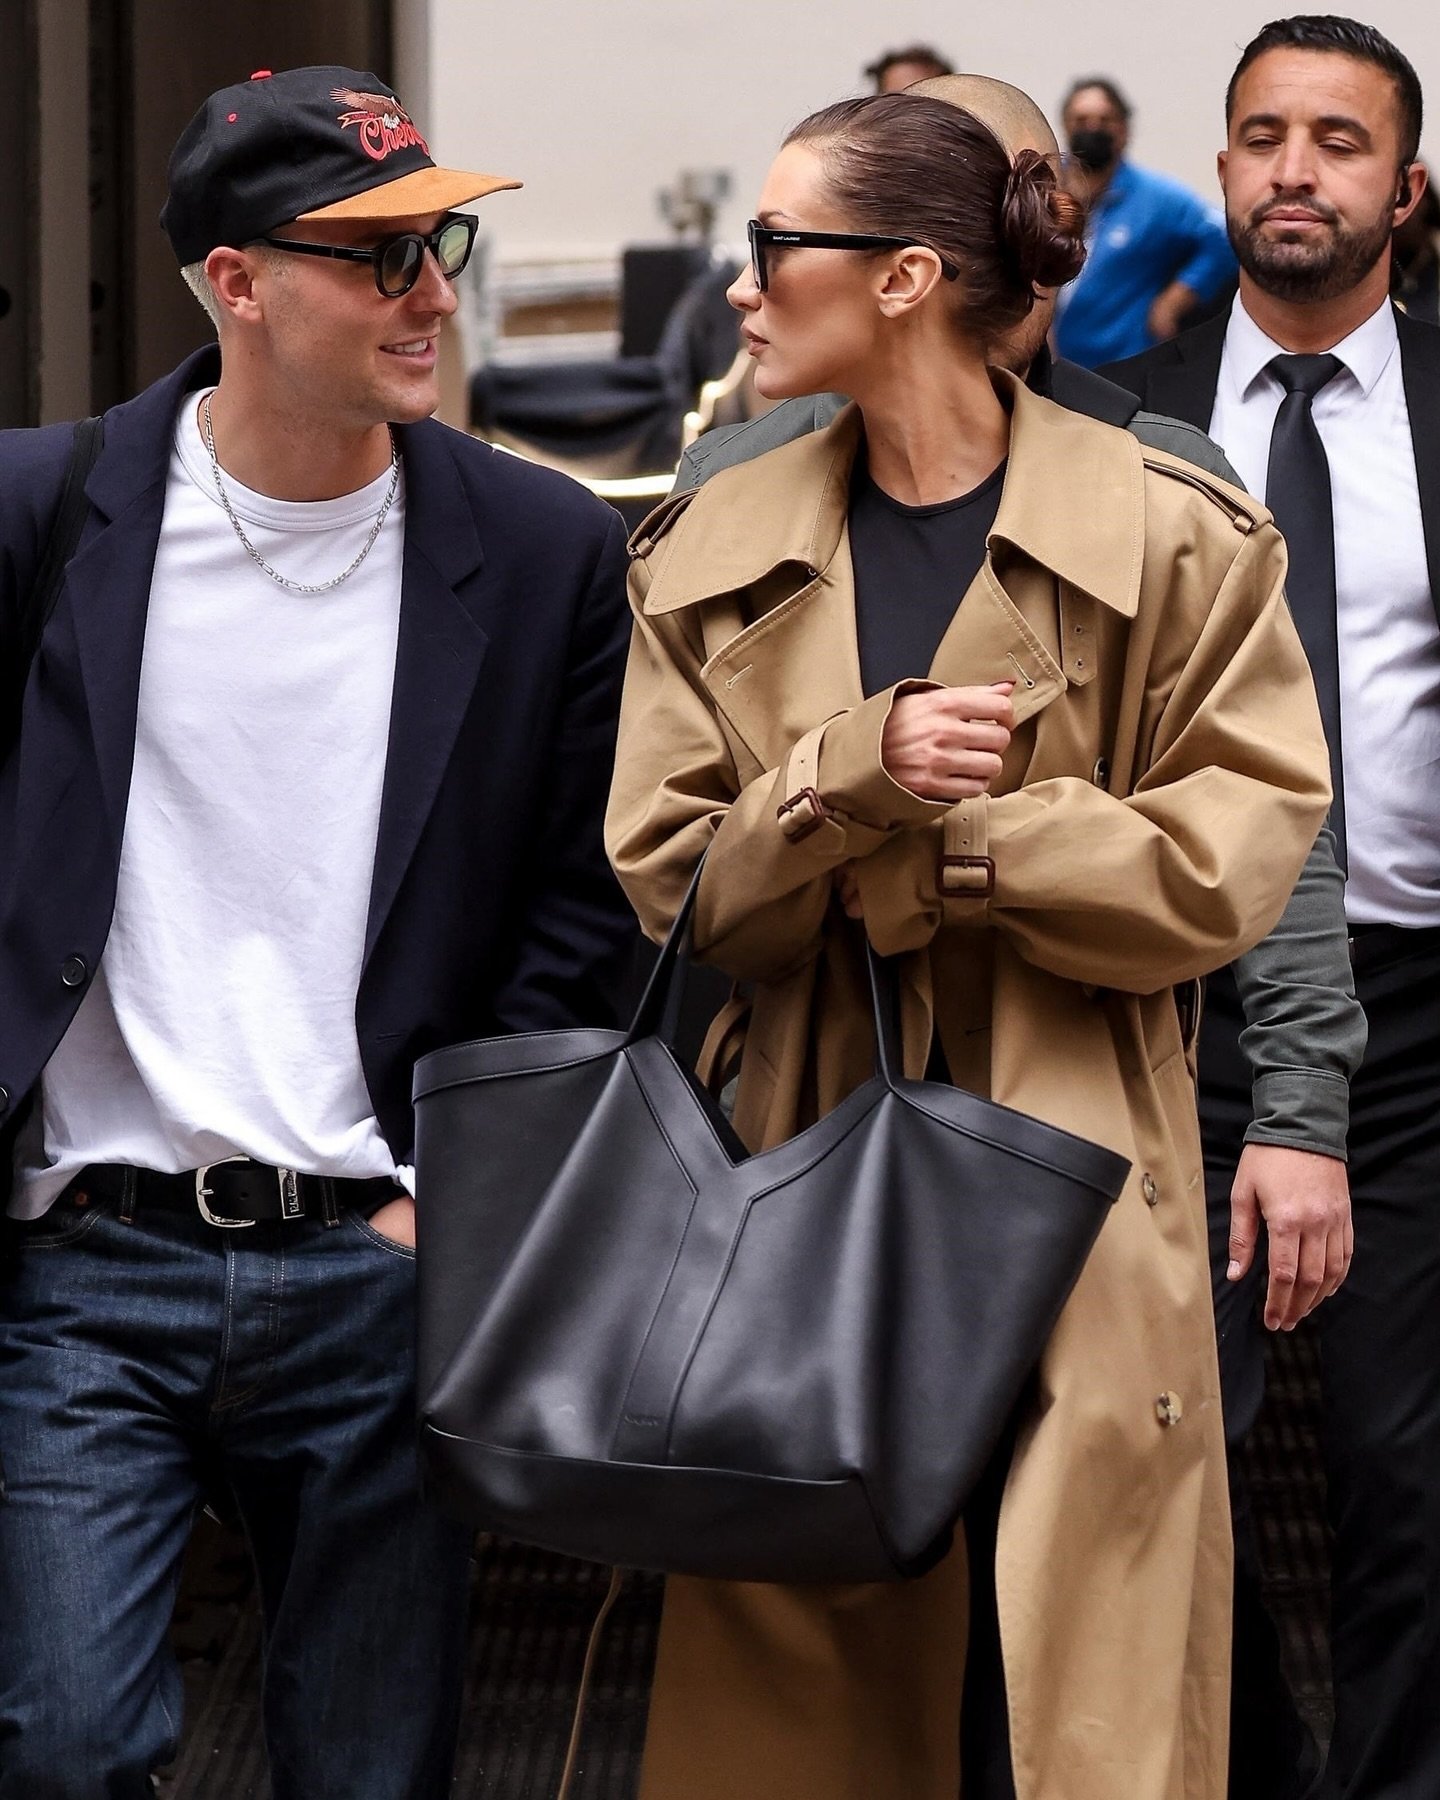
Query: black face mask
<point x="1093" y="150"/>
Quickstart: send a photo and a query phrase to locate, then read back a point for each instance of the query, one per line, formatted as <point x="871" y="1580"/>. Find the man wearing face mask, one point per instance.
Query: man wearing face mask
<point x="1156" y="251"/>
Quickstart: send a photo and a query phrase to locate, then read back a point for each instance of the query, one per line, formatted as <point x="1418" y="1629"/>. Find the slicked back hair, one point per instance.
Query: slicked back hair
<point x="1342" y="37"/>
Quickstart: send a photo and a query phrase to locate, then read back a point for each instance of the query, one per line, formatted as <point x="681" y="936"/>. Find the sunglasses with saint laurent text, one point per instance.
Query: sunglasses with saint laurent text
<point x="397" y="261"/>
<point x="765" y="237"/>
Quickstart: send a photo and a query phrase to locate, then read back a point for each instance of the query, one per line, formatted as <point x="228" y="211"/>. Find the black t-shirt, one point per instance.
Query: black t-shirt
<point x="912" y="567"/>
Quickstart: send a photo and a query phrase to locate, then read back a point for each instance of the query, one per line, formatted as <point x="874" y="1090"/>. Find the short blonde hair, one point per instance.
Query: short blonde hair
<point x="198" y="282"/>
<point x="202" y="288"/>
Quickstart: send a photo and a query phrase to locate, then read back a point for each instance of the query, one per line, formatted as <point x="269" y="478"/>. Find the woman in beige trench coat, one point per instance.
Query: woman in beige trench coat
<point x="1103" y="786"/>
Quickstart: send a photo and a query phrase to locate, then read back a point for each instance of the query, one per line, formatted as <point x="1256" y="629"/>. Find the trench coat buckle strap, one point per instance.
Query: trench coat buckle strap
<point x="803" y="812"/>
<point x="965" y="872"/>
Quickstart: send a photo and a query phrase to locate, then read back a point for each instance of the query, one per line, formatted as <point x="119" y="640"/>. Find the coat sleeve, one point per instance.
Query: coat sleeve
<point x="773" y="842"/>
<point x="1304" y="1031"/>
<point x="1186" y="872"/>
<point x="578" y="935"/>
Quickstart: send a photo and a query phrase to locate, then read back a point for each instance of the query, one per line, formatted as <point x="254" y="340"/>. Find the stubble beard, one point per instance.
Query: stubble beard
<point x="1301" y="270"/>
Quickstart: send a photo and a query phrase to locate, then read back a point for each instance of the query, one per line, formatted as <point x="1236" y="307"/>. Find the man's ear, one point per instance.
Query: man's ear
<point x="1221" y="158"/>
<point x="231" y="274"/>
<point x="1410" y="190"/>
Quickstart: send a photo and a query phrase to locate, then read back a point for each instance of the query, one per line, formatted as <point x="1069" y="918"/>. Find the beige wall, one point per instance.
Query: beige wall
<point x="596" y="104"/>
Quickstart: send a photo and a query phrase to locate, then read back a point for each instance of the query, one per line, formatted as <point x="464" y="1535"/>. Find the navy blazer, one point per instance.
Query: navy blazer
<point x="1179" y="378"/>
<point x="492" y="905"/>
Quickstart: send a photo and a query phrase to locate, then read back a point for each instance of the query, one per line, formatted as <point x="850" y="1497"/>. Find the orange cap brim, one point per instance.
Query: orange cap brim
<point x="422" y="191"/>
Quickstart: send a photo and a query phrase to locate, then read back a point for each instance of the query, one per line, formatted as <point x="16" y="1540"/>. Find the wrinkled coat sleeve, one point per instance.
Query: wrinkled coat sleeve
<point x="677" y="795"/>
<point x="1196" y="864"/>
<point x="577" y="935"/>
<point x="1305" y="1031"/>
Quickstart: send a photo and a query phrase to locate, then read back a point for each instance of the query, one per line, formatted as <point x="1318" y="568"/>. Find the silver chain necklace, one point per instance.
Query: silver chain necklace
<point x="284" y="581"/>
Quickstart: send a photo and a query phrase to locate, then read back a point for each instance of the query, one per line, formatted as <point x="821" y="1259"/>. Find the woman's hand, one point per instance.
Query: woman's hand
<point x="946" y="743"/>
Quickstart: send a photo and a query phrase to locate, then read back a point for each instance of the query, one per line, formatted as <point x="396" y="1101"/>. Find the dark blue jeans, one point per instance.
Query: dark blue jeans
<point x="137" y="1357"/>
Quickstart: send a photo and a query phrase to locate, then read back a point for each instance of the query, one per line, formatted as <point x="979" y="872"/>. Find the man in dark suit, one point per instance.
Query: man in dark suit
<point x="305" y="779"/>
<point x="1327" y="401"/>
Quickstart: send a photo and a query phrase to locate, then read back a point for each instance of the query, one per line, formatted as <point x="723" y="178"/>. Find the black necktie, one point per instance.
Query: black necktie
<point x="1297" y="491"/>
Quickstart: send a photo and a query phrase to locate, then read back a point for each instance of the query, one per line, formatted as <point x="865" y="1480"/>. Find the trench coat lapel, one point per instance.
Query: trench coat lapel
<point x="441" y="646"/>
<point x="1056" y="537"/>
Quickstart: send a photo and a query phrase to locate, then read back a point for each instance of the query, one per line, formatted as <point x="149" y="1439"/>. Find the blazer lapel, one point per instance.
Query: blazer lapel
<point x="1183" y="385"/>
<point x="106" y="594"/>
<point x="1420" y="372"/>
<point x="441" y="647"/>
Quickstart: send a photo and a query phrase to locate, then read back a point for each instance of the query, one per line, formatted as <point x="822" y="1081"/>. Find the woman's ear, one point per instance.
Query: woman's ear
<point x="908" y="277"/>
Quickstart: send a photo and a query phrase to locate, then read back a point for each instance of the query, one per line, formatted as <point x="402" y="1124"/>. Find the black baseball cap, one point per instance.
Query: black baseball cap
<point x="325" y="143"/>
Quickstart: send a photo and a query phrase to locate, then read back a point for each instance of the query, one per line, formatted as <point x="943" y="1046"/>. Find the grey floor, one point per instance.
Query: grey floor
<point x="532" y="1614"/>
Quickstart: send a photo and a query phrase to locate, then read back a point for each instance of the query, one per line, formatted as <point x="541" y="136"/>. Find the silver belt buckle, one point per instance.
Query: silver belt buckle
<point x="290" y="1207"/>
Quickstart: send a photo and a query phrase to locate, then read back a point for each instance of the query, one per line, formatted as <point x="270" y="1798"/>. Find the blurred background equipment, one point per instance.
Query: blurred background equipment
<point x="619" y="417"/>
<point x="691" y="204"/>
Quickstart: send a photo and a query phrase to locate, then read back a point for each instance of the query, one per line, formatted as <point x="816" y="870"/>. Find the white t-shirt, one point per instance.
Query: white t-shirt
<point x="1388" y="637"/>
<point x="222" y="1016"/>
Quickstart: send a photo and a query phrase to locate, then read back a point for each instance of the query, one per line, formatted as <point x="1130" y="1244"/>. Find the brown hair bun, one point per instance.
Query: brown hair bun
<point x="1041" y="225"/>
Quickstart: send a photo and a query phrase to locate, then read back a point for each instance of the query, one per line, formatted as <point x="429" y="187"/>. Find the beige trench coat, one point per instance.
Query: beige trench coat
<point x="1166" y="778"/>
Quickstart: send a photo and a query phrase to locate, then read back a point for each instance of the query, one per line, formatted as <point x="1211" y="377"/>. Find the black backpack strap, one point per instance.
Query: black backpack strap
<point x="65" y="529"/>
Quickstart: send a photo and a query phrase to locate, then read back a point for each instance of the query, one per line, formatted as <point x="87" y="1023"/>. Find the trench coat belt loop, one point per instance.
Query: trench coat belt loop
<point x="803" y="811"/>
<point x="966" y="872"/>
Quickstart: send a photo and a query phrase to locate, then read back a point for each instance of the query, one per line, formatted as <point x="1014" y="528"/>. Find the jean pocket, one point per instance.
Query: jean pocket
<point x="66" y="1222"/>
<point x="406" y="1252"/>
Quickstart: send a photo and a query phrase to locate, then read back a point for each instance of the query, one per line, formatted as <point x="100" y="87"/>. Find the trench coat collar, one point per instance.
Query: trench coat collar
<point x="1073" y="501"/>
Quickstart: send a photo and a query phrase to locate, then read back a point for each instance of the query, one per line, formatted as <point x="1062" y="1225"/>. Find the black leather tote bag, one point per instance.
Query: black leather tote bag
<point x="642" y="1346"/>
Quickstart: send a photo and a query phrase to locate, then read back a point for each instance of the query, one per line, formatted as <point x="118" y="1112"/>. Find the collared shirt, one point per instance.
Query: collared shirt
<point x="1145" y="231"/>
<point x="1388" y="634"/>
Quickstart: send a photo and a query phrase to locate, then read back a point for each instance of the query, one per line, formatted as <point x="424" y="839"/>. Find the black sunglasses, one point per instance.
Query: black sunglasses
<point x="765" y="237"/>
<point x="397" y="261"/>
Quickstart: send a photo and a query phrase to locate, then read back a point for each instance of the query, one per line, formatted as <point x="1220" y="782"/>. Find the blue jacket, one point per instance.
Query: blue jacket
<point x="1145" y="231"/>
<point x="492" y="906"/>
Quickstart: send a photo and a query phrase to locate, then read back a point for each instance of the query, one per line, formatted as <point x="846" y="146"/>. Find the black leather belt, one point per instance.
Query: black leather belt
<point x="1375" y="946"/>
<point x="232" y="1193"/>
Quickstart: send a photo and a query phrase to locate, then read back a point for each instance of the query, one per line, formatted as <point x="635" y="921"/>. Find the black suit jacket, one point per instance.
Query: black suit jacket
<point x="492" y="906"/>
<point x="1180" y="377"/>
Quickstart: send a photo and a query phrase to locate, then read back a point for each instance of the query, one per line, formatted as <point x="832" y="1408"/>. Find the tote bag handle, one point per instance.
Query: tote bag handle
<point x="658" y="1012"/>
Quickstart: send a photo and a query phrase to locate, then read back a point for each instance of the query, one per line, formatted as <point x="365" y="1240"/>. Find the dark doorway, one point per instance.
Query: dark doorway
<point x="150" y="67"/>
<point x="18" y="104"/>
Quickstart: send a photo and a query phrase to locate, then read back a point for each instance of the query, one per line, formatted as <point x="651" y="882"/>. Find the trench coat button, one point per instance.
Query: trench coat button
<point x="1100" y="775"/>
<point x="73" y="971"/>
<point x="1168" y="1409"/>
<point x="1149" y="1189"/>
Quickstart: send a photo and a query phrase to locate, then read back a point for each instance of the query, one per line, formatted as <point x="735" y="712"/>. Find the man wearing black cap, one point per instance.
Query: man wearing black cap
<point x="303" y="777"/>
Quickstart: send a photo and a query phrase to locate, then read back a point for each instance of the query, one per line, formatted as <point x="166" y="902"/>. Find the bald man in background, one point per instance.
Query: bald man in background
<point x="1304" y="1036"/>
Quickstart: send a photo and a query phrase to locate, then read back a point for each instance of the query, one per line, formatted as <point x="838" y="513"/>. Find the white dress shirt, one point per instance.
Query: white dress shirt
<point x="1389" y="639"/>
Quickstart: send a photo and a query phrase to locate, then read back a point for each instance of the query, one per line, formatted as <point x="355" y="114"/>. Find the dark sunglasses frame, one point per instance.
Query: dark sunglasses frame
<point x="767" y="237"/>
<point x="376" y="256"/>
